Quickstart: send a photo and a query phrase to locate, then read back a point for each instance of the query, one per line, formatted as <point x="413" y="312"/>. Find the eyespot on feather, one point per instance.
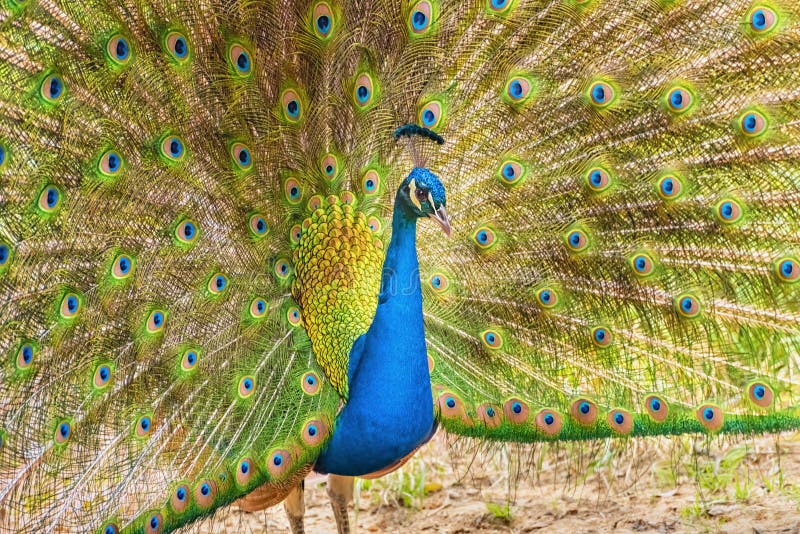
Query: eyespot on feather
<point x="728" y="211"/>
<point x="688" y="306"/>
<point x="310" y="383"/>
<point x="489" y="415"/>
<point x="156" y="321"/>
<point x="247" y="386"/>
<point x="291" y="106"/>
<point x="293" y="316"/>
<point x="670" y="187"/>
<point x="177" y="46"/>
<point x="25" y="356"/>
<point x="314" y="432"/>
<point x="602" y="337"/>
<point x="118" y="50"/>
<point x="189" y="360"/>
<point x="548" y="422"/>
<point x="241" y="156"/>
<point x="547" y="297"/>
<point x="598" y="179"/>
<point x="452" y="407"/>
<point x="6" y="253"/>
<point x="245" y="470"/>
<point x="172" y="148"/>
<point x="601" y="94"/>
<point x="204" y="493"/>
<point x="347" y="198"/>
<point x="620" y="421"/>
<point x="511" y="172"/>
<point x="329" y="165"/>
<point x="431" y="114"/>
<point x="657" y="408"/>
<point x="179" y="500"/>
<point x="438" y="282"/>
<point x="371" y="182"/>
<point x="679" y="99"/>
<point x="278" y="463"/>
<point x="282" y="269"/>
<point x="240" y="59"/>
<point x="762" y="19"/>
<point x="484" y="238"/>
<point x="122" y="268"/>
<point x="788" y="269"/>
<point x="516" y="411"/>
<point x="102" y="376"/>
<point x="642" y="265"/>
<point x="257" y="225"/>
<point x="323" y="20"/>
<point x="110" y="164"/>
<point x="753" y="124"/>
<point x="63" y="432"/>
<point x="258" y="308"/>
<point x="760" y="394"/>
<point x="52" y="89"/>
<point x="154" y="523"/>
<point x="187" y="231"/>
<point x="420" y="18"/>
<point x="109" y="528"/>
<point x="71" y="305"/>
<point x="375" y="224"/>
<point x="584" y="411"/>
<point x="295" y="233"/>
<point x="143" y="427"/>
<point x="217" y="284"/>
<point x="492" y="339"/>
<point x="517" y="90"/>
<point x="364" y="91"/>
<point x="293" y="191"/>
<point x="50" y="199"/>
<point x="500" y="7"/>
<point x="710" y="416"/>
<point x="576" y="240"/>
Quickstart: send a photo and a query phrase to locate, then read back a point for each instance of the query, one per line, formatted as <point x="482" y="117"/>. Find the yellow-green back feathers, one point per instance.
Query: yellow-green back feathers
<point x="337" y="278"/>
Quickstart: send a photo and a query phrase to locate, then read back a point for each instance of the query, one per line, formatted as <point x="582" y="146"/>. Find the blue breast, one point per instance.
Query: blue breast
<point x="390" y="410"/>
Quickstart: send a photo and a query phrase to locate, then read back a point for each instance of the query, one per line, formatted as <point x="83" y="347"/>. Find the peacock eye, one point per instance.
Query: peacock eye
<point x="421" y="194"/>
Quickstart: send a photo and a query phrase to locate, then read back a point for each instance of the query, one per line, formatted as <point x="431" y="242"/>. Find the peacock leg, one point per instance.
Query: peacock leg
<point x="340" y="491"/>
<point x="295" y="508"/>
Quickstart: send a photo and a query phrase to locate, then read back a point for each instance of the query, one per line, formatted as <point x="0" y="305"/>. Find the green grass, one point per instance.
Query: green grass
<point x="407" y="486"/>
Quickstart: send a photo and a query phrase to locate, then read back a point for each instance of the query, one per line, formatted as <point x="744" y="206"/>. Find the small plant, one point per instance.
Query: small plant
<point x="500" y="511"/>
<point x="407" y="486"/>
<point x="695" y="511"/>
<point x="743" y="487"/>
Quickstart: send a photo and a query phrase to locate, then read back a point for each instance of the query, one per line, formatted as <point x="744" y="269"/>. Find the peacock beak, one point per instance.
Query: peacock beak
<point x="440" y="216"/>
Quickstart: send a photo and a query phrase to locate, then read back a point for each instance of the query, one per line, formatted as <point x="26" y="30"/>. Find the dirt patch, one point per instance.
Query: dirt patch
<point x="687" y="484"/>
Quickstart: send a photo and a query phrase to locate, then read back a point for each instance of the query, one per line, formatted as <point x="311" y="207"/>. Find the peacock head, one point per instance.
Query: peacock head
<point x="422" y="195"/>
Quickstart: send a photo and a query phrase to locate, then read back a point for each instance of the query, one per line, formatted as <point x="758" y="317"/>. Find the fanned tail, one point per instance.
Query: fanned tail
<point x="154" y="367"/>
<point x="622" y="178"/>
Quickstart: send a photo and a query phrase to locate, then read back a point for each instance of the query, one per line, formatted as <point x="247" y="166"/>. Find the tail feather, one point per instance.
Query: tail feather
<point x="651" y="290"/>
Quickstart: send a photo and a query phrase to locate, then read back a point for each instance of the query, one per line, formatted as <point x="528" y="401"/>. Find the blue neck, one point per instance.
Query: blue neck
<point x="390" y="409"/>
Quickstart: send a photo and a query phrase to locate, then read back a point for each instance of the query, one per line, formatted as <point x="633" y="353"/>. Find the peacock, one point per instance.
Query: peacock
<point x="241" y="240"/>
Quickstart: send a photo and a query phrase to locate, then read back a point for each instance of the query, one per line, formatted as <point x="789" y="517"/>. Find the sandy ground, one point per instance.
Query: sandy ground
<point x="684" y="484"/>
